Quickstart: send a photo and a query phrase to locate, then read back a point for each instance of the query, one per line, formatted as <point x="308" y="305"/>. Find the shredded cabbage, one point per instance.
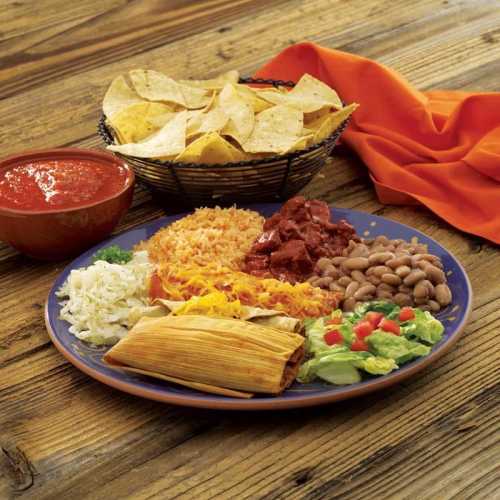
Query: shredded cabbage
<point x="101" y="297"/>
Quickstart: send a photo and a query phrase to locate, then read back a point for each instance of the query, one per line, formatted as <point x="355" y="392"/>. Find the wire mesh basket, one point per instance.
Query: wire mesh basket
<point x="265" y="179"/>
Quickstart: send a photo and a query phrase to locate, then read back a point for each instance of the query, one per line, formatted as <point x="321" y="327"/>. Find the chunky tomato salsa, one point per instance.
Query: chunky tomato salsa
<point x="56" y="184"/>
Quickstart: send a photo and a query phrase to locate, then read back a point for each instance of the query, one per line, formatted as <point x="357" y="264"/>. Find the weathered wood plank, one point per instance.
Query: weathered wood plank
<point x="71" y="46"/>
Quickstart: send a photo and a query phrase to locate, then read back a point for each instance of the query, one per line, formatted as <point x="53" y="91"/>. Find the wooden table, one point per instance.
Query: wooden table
<point x="64" y="435"/>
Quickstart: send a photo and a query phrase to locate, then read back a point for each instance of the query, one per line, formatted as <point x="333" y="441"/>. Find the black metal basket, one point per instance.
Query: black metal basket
<point x="267" y="179"/>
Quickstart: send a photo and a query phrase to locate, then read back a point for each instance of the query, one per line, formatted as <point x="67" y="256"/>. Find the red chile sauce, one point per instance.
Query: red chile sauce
<point x="295" y="238"/>
<point x="44" y="185"/>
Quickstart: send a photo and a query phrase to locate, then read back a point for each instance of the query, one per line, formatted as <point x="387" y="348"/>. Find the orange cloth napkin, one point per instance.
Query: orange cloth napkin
<point x="439" y="148"/>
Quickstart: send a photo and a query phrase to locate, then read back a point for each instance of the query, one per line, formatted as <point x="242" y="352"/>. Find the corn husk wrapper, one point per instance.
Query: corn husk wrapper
<point x="225" y="353"/>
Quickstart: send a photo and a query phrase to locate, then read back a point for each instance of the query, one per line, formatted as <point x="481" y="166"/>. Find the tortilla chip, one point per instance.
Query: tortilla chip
<point x="196" y="98"/>
<point x="216" y="83"/>
<point x="140" y="120"/>
<point x="210" y="148"/>
<point x="326" y="125"/>
<point x="312" y="117"/>
<point x="170" y="140"/>
<point x="156" y="86"/>
<point x="240" y="113"/>
<point x="211" y="121"/>
<point x="308" y="95"/>
<point x="302" y="142"/>
<point x="212" y="102"/>
<point x="276" y="130"/>
<point x="309" y="87"/>
<point x="252" y="98"/>
<point x="119" y="96"/>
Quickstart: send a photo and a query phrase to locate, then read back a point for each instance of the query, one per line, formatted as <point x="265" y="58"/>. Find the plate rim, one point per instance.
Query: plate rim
<point x="300" y="401"/>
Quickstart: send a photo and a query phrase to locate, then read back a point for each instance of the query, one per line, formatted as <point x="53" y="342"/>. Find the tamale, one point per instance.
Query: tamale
<point x="213" y="389"/>
<point x="229" y="353"/>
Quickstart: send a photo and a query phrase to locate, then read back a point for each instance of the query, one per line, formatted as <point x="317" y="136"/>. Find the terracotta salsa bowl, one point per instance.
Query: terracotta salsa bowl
<point x="60" y="233"/>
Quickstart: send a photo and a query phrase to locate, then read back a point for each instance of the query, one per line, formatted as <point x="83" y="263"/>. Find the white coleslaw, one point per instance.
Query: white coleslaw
<point x="101" y="297"/>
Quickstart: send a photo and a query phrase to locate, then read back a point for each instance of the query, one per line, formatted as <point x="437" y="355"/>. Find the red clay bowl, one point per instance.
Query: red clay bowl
<point x="61" y="233"/>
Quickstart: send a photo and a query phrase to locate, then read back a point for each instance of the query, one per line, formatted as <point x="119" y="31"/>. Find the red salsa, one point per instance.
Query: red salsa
<point x="56" y="184"/>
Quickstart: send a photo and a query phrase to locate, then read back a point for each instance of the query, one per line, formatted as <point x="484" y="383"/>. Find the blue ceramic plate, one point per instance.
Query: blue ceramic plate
<point x="88" y="359"/>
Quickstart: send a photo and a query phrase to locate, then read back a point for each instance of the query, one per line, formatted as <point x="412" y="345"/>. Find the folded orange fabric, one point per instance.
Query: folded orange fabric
<point x="439" y="148"/>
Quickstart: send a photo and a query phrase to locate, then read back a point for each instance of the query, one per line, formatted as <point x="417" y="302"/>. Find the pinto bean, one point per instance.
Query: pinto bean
<point x="443" y="294"/>
<point x="374" y="280"/>
<point x="421" y="290"/>
<point x="421" y="300"/>
<point x="344" y="281"/>
<point x="336" y="261"/>
<point x="435" y="307"/>
<point x="349" y="304"/>
<point x="430" y="287"/>
<point x="404" y="260"/>
<point x="356" y="263"/>
<point x="422" y="264"/>
<point x="404" y="289"/>
<point x="435" y="274"/>
<point x="364" y="290"/>
<point x="351" y="288"/>
<point x="323" y="263"/>
<point x="331" y="271"/>
<point x="424" y="256"/>
<point x="358" y="276"/>
<point x="380" y="257"/>
<point x="380" y="270"/>
<point x="403" y="299"/>
<point x="415" y="276"/>
<point x="383" y="294"/>
<point x="382" y="239"/>
<point x="391" y="279"/>
<point x="335" y="287"/>
<point x="387" y="287"/>
<point x="360" y="251"/>
<point x="421" y="248"/>
<point x="324" y="282"/>
<point x="403" y="271"/>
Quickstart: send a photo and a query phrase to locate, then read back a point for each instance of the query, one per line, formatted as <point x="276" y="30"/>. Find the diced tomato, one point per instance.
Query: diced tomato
<point x="334" y="321"/>
<point x="406" y="314"/>
<point x="374" y="318"/>
<point x="359" y="345"/>
<point x="388" y="325"/>
<point x="155" y="288"/>
<point x="333" y="337"/>
<point x="363" y="329"/>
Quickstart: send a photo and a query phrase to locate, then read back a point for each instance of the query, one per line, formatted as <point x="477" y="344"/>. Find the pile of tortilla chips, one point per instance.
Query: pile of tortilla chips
<point x="217" y="120"/>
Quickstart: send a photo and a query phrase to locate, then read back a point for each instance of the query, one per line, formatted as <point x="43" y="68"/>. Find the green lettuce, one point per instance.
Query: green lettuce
<point x="375" y="365"/>
<point x="390" y="310"/>
<point x="423" y="328"/>
<point x="399" y="348"/>
<point x="340" y="366"/>
<point x="315" y="332"/>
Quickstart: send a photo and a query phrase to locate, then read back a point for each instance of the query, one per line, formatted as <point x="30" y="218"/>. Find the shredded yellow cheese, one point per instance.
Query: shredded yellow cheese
<point x="299" y="301"/>
<point x="214" y="304"/>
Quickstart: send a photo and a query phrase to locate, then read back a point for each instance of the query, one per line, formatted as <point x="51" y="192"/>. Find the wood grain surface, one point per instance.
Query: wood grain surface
<point x="63" y="435"/>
